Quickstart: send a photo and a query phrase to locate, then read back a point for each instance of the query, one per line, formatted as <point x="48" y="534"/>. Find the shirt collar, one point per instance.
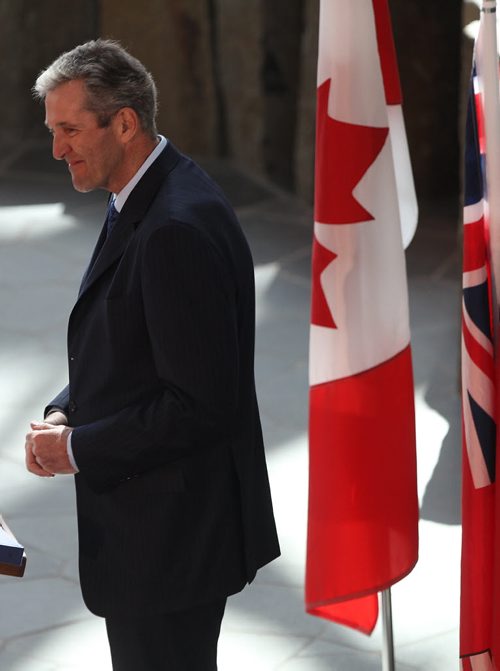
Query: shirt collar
<point x="120" y="198"/>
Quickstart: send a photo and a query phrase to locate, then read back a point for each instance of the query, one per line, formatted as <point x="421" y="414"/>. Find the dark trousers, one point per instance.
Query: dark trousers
<point x="180" y="641"/>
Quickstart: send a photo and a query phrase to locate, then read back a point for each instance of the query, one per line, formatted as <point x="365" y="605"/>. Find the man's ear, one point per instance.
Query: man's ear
<point x="126" y="124"/>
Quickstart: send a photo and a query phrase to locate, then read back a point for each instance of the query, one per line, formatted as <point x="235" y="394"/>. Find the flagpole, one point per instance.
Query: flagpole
<point x="491" y="101"/>
<point x="388" y="663"/>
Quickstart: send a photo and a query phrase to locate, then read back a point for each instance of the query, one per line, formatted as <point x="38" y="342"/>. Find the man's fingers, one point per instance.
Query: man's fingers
<point x="46" y="449"/>
<point x="40" y="426"/>
<point x="32" y="464"/>
<point x="40" y="441"/>
<point x="34" y="467"/>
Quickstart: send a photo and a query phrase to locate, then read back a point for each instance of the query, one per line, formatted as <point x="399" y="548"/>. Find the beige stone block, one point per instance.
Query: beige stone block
<point x="32" y="35"/>
<point x="281" y="82"/>
<point x="172" y="39"/>
<point x="306" y="105"/>
<point x="239" y="26"/>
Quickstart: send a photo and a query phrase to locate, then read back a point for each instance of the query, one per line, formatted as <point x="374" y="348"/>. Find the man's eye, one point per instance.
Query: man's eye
<point x="71" y="131"/>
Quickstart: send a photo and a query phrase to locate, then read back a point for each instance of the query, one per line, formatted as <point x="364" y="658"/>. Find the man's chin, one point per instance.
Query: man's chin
<point x="81" y="187"/>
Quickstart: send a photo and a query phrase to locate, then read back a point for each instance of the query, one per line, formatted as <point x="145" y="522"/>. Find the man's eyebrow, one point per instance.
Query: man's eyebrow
<point x="61" y="124"/>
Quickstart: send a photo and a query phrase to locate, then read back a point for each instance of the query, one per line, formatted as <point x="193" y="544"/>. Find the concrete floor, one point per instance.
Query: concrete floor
<point x="47" y="232"/>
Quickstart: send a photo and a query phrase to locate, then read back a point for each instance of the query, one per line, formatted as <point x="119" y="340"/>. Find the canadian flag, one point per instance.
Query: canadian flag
<point x="363" y="506"/>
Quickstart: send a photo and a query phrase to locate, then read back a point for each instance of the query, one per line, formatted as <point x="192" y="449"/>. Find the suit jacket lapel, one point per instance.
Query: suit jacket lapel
<point x="109" y="249"/>
<point x="99" y="244"/>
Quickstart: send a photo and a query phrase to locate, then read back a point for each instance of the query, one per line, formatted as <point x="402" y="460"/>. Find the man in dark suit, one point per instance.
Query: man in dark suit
<point x="159" y="421"/>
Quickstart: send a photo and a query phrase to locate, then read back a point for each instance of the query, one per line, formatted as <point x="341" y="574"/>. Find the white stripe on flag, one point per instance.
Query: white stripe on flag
<point x="479" y="472"/>
<point x="473" y="278"/>
<point x="477" y="383"/>
<point x="473" y="213"/>
<point x="476" y="333"/>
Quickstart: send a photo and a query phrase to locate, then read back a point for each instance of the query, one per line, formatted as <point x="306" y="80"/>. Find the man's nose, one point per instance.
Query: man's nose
<point x="59" y="147"/>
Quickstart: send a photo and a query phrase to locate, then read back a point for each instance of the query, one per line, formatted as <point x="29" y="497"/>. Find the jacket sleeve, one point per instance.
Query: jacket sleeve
<point x="60" y="402"/>
<point x="189" y="303"/>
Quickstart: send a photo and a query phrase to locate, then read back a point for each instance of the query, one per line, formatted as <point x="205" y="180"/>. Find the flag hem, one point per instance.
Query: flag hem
<point x="345" y="622"/>
<point x="365" y="370"/>
<point x="475" y="654"/>
<point x="311" y="607"/>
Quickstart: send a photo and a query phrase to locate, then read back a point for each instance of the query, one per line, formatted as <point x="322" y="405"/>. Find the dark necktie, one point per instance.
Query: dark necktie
<point x="111" y="216"/>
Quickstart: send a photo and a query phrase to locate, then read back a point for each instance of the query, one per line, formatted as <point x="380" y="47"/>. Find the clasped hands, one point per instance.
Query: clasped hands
<point x="46" y="447"/>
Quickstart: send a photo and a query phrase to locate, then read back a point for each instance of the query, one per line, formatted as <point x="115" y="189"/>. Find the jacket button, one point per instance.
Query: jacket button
<point x="72" y="406"/>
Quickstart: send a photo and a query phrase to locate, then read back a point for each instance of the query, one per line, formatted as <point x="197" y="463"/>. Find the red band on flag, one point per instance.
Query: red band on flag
<point x="474" y="246"/>
<point x="477" y="565"/>
<point x="363" y="514"/>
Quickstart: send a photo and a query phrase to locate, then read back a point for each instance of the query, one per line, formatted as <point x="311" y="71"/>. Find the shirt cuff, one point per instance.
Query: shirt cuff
<point x="69" y="450"/>
<point x="55" y="408"/>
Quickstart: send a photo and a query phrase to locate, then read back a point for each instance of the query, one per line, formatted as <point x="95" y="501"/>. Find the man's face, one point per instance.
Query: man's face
<point x="94" y="155"/>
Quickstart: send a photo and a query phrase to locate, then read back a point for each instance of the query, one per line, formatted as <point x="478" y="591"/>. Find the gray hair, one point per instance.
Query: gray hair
<point x="112" y="77"/>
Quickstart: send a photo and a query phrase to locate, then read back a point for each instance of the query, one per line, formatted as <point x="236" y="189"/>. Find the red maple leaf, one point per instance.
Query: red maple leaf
<point x="320" y="312"/>
<point x="344" y="152"/>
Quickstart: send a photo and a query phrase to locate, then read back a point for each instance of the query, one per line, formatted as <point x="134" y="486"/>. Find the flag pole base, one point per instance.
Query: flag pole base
<point x="388" y="663"/>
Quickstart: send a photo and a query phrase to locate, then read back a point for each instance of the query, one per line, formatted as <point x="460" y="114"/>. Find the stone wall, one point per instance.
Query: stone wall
<point x="227" y="71"/>
<point x="306" y="104"/>
<point x="280" y="76"/>
<point x="428" y="41"/>
<point x="32" y="34"/>
<point x="238" y="27"/>
<point x="173" y="40"/>
<point x="237" y="78"/>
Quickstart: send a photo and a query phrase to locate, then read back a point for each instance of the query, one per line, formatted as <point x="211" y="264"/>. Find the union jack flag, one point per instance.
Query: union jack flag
<point x="477" y="352"/>
<point x="478" y="406"/>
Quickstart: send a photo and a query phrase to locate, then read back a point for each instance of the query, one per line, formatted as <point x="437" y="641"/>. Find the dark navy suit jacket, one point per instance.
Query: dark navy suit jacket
<point x="173" y="499"/>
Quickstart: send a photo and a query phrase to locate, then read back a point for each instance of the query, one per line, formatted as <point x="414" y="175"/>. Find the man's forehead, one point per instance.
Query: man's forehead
<point x="65" y="102"/>
<point x="71" y="93"/>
